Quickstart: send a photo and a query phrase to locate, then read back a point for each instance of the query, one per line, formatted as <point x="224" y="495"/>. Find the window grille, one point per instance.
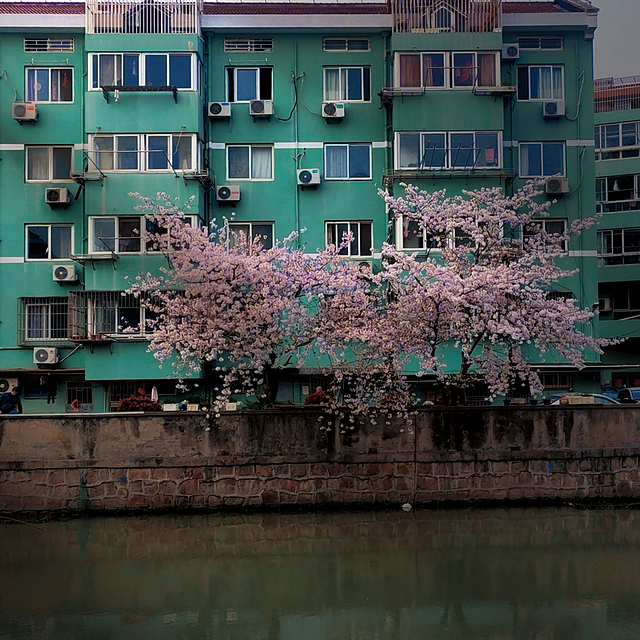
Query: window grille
<point x="79" y="396"/>
<point x="101" y="314"/>
<point x="57" y="45"/>
<point x="556" y="380"/>
<point x="560" y="295"/>
<point x="42" y="320"/>
<point x="248" y="45"/>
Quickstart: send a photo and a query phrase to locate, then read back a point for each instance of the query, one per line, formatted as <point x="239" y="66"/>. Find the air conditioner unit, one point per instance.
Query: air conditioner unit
<point x="45" y="355"/>
<point x="219" y="109"/>
<point x="261" y="108"/>
<point x="510" y="51"/>
<point x="366" y="266"/>
<point x="333" y="110"/>
<point x="58" y="197"/>
<point x="228" y="193"/>
<point x="65" y="273"/>
<point x="553" y="109"/>
<point x="24" y="112"/>
<point x="6" y="384"/>
<point x="308" y="177"/>
<point x="604" y="304"/>
<point x="556" y="186"/>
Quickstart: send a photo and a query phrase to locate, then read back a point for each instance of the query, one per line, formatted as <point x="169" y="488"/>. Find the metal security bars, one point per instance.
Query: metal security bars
<point x="147" y="16"/>
<point x="616" y="94"/>
<point x="42" y="320"/>
<point x="248" y="45"/>
<point x="99" y="315"/>
<point x="435" y="16"/>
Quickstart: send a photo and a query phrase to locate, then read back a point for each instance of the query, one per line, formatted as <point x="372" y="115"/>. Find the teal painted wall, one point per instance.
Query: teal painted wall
<point x="298" y="143"/>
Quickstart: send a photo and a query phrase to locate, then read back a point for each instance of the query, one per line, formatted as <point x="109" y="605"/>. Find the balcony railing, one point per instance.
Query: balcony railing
<point x="435" y="16"/>
<point x="146" y="16"/>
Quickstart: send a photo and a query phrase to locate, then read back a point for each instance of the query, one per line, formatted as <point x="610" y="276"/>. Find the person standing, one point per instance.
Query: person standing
<point x="10" y="401"/>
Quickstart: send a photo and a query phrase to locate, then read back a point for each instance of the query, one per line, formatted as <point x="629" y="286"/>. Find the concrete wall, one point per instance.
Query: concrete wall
<point x="285" y="457"/>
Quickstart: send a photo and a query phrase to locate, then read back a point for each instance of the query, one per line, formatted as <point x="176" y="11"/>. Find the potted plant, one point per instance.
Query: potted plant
<point x="137" y="402"/>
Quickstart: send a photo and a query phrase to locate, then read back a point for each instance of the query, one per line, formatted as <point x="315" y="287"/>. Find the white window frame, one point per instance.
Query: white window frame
<point x="541" y="144"/>
<point x="142" y="67"/>
<point x="340" y="68"/>
<point x="92" y="328"/>
<point x="448" y="151"/>
<point x="448" y="70"/>
<point x="48" y="45"/>
<point x="599" y="135"/>
<point x="49" y="226"/>
<point x="622" y="253"/>
<point x="348" y="145"/>
<point x="49" y="69"/>
<point x="616" y="206"/>
<point x="143" y="235"/>
<point x="233" y="227"/>
<point x="50" y="149"/>
<point x="400" y="240"/>
<point x="143" y="152"/>
<point x="541" y="66"/>
<point x="259" y="92"/>
<point x="350" y="223"/>
<point x="234" y="44"/>
<point x="251" y="147"/>
<point x="543" y="222"/>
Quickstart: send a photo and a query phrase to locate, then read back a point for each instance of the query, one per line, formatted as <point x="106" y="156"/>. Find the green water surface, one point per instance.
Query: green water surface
<point x="517" y="574"/>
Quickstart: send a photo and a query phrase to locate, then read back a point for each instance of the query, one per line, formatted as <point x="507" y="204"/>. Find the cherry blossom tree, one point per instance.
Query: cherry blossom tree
<point x="247" y="312"/>
<point x="484" y="284"/>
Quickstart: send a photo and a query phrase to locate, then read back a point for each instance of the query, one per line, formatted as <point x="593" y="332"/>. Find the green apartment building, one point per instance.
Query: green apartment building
<point x="289" y="115"/>
<point x="617" y="137"/>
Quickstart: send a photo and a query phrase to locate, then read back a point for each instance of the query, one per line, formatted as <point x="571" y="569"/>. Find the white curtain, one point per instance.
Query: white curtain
<point x="103" y="152"/>
<point x="60" y="242"/>
<point x="332" y="84"/>
<point x="36" y="321"/>
<point x="38" y="163"/>
<point x="545" y="83"/>
<point x="336" y="162"/>
<point x="261" y="165"/>
<point x="182" y="153"/>
<point x="557" y="83"/>
<point x="37" y="85"/>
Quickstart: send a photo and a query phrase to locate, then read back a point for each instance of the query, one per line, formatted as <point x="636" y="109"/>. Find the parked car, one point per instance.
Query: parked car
<point x="629" y="395"/>
<point x="584" y="398"/>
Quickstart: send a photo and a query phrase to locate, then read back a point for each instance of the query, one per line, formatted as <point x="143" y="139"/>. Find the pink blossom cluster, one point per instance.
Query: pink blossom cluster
<point x="245" y="312"/>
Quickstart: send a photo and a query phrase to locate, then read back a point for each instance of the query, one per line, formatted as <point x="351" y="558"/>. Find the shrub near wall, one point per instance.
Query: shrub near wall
<point x="283" y="457"/>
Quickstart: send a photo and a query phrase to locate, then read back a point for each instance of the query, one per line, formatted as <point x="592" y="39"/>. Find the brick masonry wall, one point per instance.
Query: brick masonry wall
<point x="270" y="459"/>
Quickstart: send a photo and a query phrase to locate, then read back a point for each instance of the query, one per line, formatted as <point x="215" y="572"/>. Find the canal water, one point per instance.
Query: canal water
<point x="516" y="574"/>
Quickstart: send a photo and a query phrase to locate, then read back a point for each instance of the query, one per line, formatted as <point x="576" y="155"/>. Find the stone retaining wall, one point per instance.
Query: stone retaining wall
<point x="280" y="458"/>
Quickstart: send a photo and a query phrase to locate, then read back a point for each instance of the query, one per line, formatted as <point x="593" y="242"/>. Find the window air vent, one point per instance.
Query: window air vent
<point x="248" y="45"/>
<point x="54" y="45"/>
<point x="346" y="44"/>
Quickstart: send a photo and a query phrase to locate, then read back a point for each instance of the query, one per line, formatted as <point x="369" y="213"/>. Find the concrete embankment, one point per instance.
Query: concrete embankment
<point x="106" y="462"/>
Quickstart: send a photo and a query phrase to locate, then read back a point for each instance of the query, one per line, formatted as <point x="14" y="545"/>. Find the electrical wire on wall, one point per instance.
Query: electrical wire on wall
<point x="295" y="102"/>
<point x="581" y="79"/>
<point x="313" y="113"/>
<point x="5" y="75"/>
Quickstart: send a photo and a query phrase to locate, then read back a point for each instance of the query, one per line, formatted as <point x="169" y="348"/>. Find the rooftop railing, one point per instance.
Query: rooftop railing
<point x="616" y="94"/>
<point x="436" y="16"/>
<point x="147" y="16"/>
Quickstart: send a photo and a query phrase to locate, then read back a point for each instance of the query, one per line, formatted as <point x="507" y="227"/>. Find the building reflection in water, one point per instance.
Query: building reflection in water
<point x="516" y="574"/>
